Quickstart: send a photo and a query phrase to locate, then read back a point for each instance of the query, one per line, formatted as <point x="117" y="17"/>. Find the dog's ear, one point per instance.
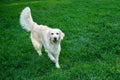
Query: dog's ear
<point x="61" y="35"/>
<point x="48" y="35"/>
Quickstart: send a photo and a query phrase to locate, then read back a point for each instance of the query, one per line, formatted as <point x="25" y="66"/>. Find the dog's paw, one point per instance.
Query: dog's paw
<point x="57" y="65"/>
<point x="39" y="53"/>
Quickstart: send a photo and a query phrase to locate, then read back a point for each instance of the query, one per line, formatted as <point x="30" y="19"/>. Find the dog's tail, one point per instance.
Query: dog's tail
<point x="26" y="20"/>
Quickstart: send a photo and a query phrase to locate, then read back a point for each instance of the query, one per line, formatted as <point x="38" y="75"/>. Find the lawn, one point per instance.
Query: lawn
<point x="90" y="49"/>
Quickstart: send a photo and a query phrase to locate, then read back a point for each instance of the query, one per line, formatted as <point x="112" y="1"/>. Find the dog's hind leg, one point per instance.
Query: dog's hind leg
<point x="37" y="45"/>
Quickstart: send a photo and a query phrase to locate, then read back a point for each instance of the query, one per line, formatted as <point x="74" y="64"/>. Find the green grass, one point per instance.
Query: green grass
<point x="90" y="49"/>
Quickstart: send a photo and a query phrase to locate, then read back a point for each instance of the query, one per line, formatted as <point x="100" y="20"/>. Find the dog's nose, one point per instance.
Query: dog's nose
<point x="55" y="38"/>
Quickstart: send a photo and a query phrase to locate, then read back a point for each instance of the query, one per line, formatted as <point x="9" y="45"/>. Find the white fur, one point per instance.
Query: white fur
<point x="42" y="35"/>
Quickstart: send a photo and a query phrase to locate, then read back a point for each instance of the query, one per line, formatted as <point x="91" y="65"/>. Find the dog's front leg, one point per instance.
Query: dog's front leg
<point x="51" y="57"/>
<point x="57" y="61"/>
<point x="37" y="45"/>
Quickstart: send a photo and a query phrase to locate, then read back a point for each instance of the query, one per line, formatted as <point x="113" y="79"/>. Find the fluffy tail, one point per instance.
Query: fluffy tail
<point x="26" y="20"/>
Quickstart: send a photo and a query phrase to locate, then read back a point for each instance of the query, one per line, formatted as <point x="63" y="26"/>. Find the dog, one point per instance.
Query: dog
<point x="42" y="35"/>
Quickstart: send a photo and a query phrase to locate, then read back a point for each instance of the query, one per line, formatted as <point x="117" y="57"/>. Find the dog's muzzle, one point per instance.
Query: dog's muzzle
<point x="55" y="40"/>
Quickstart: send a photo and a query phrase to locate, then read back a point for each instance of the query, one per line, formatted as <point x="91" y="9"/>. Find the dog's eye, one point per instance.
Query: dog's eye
<point x="57" y="33"/>
<point x="51" y="33"/>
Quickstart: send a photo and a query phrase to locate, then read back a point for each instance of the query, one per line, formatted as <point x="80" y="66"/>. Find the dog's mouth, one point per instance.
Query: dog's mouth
<point x="55" y="41"/>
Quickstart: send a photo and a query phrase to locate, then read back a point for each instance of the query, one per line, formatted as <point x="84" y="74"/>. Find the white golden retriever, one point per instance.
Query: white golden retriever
<point x="42" y="35"/>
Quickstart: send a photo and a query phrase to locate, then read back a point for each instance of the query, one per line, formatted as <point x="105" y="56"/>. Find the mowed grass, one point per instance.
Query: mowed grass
<point x="90" y="49"/>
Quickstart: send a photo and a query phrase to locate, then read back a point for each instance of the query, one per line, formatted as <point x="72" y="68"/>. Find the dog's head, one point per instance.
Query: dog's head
<point x="56" y="35"/>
